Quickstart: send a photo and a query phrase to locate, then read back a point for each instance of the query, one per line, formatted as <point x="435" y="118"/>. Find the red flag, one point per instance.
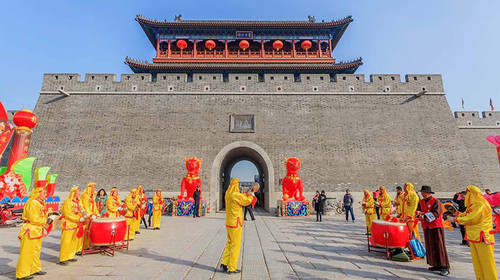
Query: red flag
<point x="463" y="103"/>
<point x="491" y="105"/>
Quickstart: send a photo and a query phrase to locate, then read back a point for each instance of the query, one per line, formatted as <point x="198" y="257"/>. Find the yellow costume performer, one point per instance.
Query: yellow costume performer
<point x="114" y="204"/>
<point x="72" y="226"/>
<point x="133" y="213"/>
<point x="143" y="204"/>
<point x="31" y="234"/>
<point x="369" y="208"/>
<point x="87" y="204"/>
<point x="234" y="224"/>
<point x="384" y="201"/>
<point x="399" y="204"/>
<point x="157" y="209"/>
<point x="410" y="205"/>
<point x="478" y="222"/>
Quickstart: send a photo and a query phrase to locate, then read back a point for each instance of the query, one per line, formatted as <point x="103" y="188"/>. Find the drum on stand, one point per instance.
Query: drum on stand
<point x="396" y="234"/>
<point x="106" y="231"/>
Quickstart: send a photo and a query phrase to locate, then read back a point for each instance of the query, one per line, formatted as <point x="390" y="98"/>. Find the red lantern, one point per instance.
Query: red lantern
<point x="244" y="44"/>
<point x="278" y="45"/>
<point x="306" y="45"/>
<point x="25" y="119"/>
<point x="181" y="44"/>
<point x="209" y="44"/>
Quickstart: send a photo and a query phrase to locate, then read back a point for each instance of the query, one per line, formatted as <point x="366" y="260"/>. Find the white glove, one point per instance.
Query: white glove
<point x="120" y="209"/>
<point x="451" y="219"/>
<point x="82" y="219"/>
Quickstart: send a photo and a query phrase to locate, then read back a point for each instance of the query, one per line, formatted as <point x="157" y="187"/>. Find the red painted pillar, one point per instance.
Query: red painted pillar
<point x="25" y="121"/>
<point x="194" y="48"/>
<point x="169" y="50"/>
<point x="157" y="47"/>
<point x="330" y="47"/>
<point x="225" y="49"/>
<point x="319" y="48"/>
<point x="262" y="52"/>
<point x="294" y="53"/>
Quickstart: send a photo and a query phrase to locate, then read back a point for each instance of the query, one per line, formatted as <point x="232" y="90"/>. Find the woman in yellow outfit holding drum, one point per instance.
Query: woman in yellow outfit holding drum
<point x="234" y="224"/>
<point x="87" y="204"/>
<point x="31" y="234"/>
<point x="478" y="223"/>
<point x="133" y="213"/>
<point x="114" y="204"/>
<point x="384" y="200"/>
<point x="72" y="227"/>
<point x="157" y="209"/>
<point x="368" y="206"/>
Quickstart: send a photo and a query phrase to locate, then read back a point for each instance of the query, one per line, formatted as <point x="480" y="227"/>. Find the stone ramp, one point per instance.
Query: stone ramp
<point x="272" y="248"/>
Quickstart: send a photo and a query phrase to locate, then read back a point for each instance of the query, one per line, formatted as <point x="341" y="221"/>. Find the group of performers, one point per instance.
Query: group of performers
<point x="78" y="210"/>
<point x="410" y="209"/>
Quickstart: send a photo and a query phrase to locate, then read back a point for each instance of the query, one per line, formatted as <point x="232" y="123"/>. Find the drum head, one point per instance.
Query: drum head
<point x="108" y="220"/>
<point x="450" y="208"/>
<point x="446" y="215"/>
<point x="255" y="187"/>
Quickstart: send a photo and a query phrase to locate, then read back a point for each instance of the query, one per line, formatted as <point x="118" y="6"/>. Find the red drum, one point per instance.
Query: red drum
<point x="102" y="229"/>
<point x="397" y="234"/>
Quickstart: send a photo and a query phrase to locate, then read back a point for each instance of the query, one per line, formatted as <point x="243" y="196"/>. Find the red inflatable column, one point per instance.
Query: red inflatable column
<point x="498" y="153"/>
<point x="25" y="120"/>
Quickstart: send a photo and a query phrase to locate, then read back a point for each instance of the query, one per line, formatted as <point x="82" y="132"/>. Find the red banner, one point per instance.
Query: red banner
<point x="5" y="135"/>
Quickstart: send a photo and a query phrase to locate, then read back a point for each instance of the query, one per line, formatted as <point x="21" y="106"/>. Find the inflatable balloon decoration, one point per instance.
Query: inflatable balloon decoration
<point x="192" y="179"/>
<point x="15" y="178"/>
<point x="292" y="184"/>
<point x="494" y="199"/>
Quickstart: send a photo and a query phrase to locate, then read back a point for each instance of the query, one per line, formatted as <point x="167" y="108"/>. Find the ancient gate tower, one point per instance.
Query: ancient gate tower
<point x="257" y="90"/>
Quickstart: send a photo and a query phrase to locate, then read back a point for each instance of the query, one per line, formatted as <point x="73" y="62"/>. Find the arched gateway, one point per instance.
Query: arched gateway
<point x="227" y="158"/>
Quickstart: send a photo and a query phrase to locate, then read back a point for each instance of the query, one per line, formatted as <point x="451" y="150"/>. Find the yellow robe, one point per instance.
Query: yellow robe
<point x="410" y="205"/>
<point x="132" y="212"/>
<point x="385" y="206"/>
<point x="234" y="223"/>
<point x="143" y="205"/>
<point x="157" y="208"/>
<point x="478" y="222"/>
<point x="112" y="204"/>
<point x="399" y="201"/>
<point x="88" y="204"/>
<point x="369" y="208"/>
<point x="31" y="234"/>
<point x="70" y="226"/>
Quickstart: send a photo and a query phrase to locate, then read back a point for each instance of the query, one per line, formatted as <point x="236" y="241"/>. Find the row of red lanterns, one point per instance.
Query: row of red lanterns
<point x="244" y="44"/>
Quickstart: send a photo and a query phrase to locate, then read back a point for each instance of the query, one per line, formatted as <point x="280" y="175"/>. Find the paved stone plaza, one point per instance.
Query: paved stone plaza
<point x="273" y="248"/>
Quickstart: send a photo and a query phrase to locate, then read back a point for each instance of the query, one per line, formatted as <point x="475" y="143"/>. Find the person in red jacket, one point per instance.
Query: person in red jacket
<point x="431" y="215"/>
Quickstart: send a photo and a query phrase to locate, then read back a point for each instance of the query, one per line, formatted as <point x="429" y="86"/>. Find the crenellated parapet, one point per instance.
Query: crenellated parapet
<point x="476" y="119"/>
<point x="144" y="83"/>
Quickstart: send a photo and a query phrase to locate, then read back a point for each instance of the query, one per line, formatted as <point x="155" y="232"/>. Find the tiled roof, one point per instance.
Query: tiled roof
<point x="135" y="64"/>
<point x="241" y="23"/>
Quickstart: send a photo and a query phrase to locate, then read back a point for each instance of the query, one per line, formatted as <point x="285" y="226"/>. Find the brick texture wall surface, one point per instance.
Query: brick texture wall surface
<point x="355" y="139"/>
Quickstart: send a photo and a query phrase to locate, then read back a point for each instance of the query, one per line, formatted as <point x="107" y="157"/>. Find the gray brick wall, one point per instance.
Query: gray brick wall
<point x="370" y="136"/>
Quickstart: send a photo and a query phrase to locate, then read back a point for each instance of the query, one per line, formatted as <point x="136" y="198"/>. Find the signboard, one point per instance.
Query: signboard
<point x="244" y="34"/>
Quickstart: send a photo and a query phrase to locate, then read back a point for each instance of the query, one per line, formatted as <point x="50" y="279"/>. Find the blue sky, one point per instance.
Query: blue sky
<point x="458" y="39"/>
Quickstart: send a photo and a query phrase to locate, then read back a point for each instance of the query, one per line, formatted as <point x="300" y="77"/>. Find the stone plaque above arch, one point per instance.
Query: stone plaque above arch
<point x="242" y="123"/>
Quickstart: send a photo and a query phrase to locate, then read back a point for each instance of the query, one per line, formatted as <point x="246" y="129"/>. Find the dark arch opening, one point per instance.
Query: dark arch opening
<point x="234" y="157"/>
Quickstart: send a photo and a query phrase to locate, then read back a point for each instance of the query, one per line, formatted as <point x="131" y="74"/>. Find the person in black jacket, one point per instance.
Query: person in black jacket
<point x="196" y="197"/>
<point x="459" y="199"/>
<point x="323" y="202"/>
<point x="318" y="206"/>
